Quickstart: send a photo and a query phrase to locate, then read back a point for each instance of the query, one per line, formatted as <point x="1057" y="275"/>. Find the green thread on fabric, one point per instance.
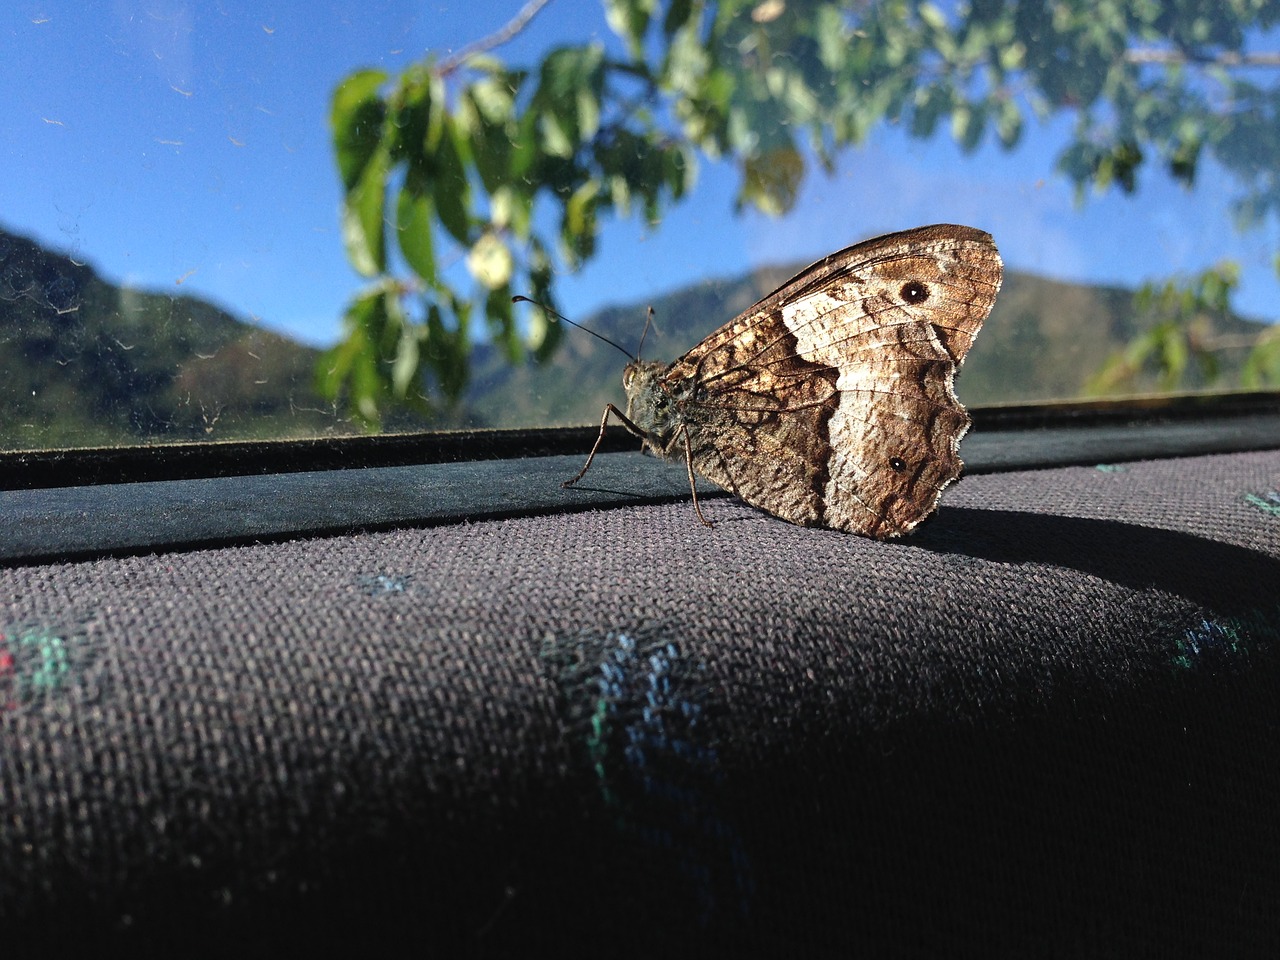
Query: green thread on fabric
<point x="598" y="748"/>
<point x="38" y="663"/>
<point x="1267" y="504"/>
<point x="53" y="667"/>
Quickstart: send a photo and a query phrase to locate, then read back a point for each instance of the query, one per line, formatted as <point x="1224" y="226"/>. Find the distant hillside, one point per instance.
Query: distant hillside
<point x="1043" y="340"/>
<point x="87" y="362"/>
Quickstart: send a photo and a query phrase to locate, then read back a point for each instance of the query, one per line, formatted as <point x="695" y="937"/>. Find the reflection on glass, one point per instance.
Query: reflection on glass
<point x="227" y="224"/>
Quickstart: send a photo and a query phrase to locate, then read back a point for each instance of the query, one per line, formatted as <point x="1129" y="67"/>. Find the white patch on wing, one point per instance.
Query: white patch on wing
<point x="881" y="413"/>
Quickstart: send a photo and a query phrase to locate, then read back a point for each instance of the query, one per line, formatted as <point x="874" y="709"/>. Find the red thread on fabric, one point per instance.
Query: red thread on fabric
<point x="7" y="672"/>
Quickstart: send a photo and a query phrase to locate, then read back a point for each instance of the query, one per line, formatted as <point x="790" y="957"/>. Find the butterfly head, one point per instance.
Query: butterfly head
<point x="650" y="403"/>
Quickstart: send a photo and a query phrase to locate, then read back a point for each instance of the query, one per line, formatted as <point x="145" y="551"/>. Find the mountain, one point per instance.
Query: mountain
<point x="1043" y="340"/>
<point x="87" y="362"/>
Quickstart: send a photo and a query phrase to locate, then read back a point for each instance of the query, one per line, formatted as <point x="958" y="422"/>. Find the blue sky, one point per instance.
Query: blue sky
<point x="183" y="145"/>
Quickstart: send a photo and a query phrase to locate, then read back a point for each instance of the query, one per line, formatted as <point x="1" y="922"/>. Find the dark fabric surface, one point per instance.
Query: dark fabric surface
<point x="1045" y="725"/>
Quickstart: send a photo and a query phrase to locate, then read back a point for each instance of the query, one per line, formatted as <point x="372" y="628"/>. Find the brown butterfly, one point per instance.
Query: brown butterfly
<point x="830" y="402"/>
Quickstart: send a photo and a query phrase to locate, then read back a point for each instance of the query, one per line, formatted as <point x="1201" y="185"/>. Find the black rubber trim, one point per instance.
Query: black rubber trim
<point x="28" y="470"/>
<point x="70" y="523"/>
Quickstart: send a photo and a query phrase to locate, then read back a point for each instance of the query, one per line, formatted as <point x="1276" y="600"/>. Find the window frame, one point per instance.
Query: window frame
<point x="68" y="505"/>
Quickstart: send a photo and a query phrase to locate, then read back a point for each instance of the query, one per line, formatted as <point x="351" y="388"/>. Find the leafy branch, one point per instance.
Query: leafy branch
<point x="491" y="179"/>
<point x="1182" y="340"/>
<point x="496" y="39"/>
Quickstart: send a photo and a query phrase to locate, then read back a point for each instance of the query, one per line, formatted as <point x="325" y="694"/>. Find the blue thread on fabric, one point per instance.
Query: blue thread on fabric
<point x="381" y="584"/>
<point x="1210" y="638"/>
<point x="1111" y="468"/>
<point x="641" y="705"/>
<point x="1224" y="642"/>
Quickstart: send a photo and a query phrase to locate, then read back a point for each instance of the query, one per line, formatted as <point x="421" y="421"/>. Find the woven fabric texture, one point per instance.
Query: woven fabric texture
<point x="1046" y="724"/>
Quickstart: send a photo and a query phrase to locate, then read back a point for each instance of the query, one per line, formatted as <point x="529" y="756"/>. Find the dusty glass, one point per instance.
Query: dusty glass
<point x="185" y="245"/>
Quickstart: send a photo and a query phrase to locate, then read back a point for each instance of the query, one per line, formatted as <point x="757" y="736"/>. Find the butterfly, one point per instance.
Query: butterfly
<point x="830" y="402"/>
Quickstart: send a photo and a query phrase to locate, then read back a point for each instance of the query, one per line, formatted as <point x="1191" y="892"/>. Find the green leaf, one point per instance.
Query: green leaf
<point x="500" y="314"/>
<point x="526" y="154"/>
<point x="449" y="186"/>
<point x="414" y="225"/>
<point x="1011" y="56"/>
<point x="967" y="123"/>
<point x="356" y="118"/>
<point x="406" y="366"/>
<point x="588" y="114"/>
<point x="1184" y="162"/>
<point x="933" y="17"/>
<point x="771" y="180"/>
<point x="446" y="348"/>
<point x="494" y="99"/>
<point x="578" y="228"/>
<point x="1262" y="366"/>
<point x="363" y="230"/>
<point x="335" y="365"/>
<point x="350" y="372"/>
<point x="687" y="71"/>
<point x="1009" y="124"/>
<point x="521" y="215"/>
<point x="544" y="334"/>
<point x="486" y="63"/>
<point x="371" y="314"/>
<point x="1174" y="354"/>
<point x="1119" y="164"/>
<point x="678" y="13"/>
<point x="501" y="207"/>
<point x="555" y="140"/>
<point x="409" y="116"/>
<point x="490" y="129"/>
<point x="680" y="170"/>
<point x="1115" y="372"/>
<point x="568" y="98"/>
<point x="620" y="195"/>
<point x="832" y="35"/>
<point x="930" y="103"/>
<point x="629" y="19"/>
<point x="490" y="261"/>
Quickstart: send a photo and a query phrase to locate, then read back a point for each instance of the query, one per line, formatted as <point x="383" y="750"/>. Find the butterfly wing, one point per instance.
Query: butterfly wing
<point x="830" y="402"/>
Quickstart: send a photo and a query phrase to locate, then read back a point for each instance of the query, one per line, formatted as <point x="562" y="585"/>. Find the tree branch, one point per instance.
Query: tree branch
<point x="1225" y="59"/>
<point x="496" y="39"/>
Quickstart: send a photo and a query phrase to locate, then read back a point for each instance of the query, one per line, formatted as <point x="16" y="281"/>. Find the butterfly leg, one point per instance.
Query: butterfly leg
<point x="693" y="486"/>
<point x="604" y="422"/>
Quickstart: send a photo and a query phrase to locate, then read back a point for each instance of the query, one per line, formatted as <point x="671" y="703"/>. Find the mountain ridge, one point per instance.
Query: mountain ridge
<point x="90" y="362"/>
<point x="1043" y="340"/>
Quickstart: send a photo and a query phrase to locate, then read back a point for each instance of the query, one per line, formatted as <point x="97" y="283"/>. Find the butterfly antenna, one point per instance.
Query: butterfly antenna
<point x="648" y="322"/>
<point x="560" y="316"/>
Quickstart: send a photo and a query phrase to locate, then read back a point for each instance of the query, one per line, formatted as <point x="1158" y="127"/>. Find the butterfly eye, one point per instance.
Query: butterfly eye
<point x="914" y="292"/>
<point x="628" y="375"/>
<point x="898" y="464"/>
